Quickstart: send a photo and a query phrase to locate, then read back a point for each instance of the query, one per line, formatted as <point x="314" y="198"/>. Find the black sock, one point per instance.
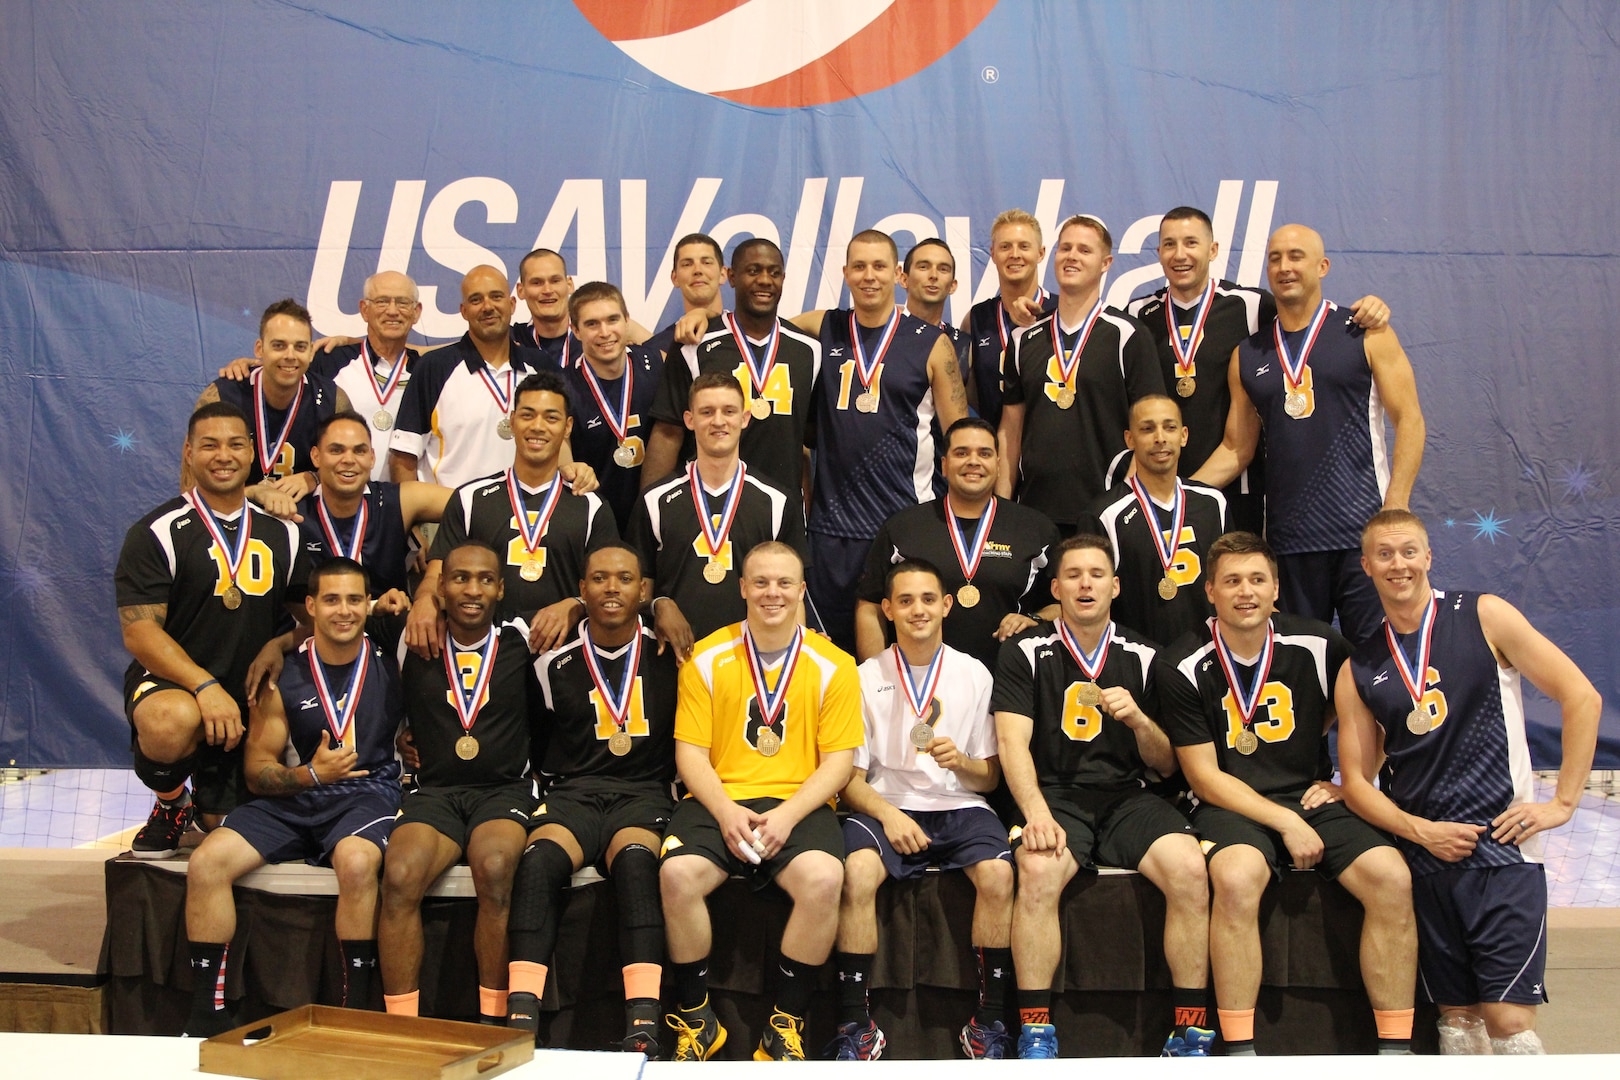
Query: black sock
<point x="691" y="984"/>
<point x="183" y="799"/>
<point x="1394" y="1046"/>
<point x="359" y="965"/>
<point x="995" y="975"/>
<point x="795" y="982"/>
<point x="640" y="1013"/>
<point x="854" y="977"/>
<point x="207" y="987"/>
<point x="1190" y="1007"/>
<point x="1035" y="1006"/>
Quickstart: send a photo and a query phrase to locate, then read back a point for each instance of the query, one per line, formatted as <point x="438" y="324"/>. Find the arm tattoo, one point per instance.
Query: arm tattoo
<point x="140" y="612"/>
<point x="279" y="780"/>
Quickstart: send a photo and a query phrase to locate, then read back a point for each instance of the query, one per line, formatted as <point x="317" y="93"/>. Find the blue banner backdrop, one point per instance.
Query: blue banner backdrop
<point x="168" y="170"/>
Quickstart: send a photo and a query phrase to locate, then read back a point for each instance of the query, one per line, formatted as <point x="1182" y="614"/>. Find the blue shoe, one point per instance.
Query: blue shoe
<point x="856" y="1041"/>
<point x="1194" y="1042"/>
<point x="985" y="1043"/>
<point x="1038" y="1041"/>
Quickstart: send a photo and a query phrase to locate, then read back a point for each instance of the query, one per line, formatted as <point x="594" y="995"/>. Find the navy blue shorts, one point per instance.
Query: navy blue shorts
<point x="1482" y="934"/>
<point x="1320" y="584"/>
<point x="1112" y="828"/>
<point x="836" y="566"/>
<point x="309" y="825"/>
<point x="956" y="839"/>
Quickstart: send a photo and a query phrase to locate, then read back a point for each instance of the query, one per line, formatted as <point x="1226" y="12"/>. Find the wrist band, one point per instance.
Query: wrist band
<point x="200" y="687"/>
<point x="312" y="775"/>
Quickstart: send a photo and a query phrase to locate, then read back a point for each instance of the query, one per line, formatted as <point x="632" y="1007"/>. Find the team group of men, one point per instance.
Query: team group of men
<point x="948" y="579"/>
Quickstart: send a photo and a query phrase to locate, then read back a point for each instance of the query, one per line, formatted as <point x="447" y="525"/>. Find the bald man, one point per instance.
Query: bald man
<point x="1320" y="388"/>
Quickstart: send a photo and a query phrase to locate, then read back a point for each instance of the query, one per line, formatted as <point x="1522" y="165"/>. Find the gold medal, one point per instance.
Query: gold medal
<point x="381" y="420"/>
<point x="1167" y="588"/>
<point x="503" y="428"/>
<point x="968" y="595"/>
<point x="1089" y="694"/>
<point x="1418" y="721"/>
<point x="921" y="736"/>
<point x="768" y="742"/>
<point x="466" y="748"/>
<point x="867" y="402"/>
<point x="620" y="744"/>
<point x="531" y="570"/>
<point x="761" y="409"/>
<point x="233" y="597"/>
<point x="1065" y="398"/>
<point x="1186" y="385"/>
<point x="1247" y="742"/>
<point x="1295" y="404"/>
<point x="714" y="571"/>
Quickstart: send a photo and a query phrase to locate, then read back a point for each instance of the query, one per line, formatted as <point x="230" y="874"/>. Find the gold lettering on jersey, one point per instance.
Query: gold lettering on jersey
<point x="1434" y="700"/>
<point x="635" y="724"/>
<point x="257" y="574"/>
<point x="283" y="467"/>
<point x="778" y="392"/>
<point x="1300" y="401"/>
<point x="1081" y="722"/>
<point x="1277" y="704"/>
<point x="1057" y="388"/>
<point x="467" y="666"/>
<point x="870" y="396"/>
<point x="1186" y="568"/>
<point x="701" y="547"/>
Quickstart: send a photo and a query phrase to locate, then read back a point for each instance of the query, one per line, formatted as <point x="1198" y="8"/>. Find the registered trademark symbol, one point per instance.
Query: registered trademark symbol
<point x="990" y="74"/>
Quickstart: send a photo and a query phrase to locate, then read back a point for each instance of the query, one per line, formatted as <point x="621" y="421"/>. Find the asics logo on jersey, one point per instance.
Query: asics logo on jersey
<point x="1206" y="665"/>
<point x="1130" y="516"/>
<point x="182" y="523"/>
<point x="491" y="488"/>
<point x="1382" y="676"/>
<point x="671" y="497"/>
<point x="565" y="660"/>
<point x="1262" y="369"/>
<point x="711" y="346"/>
<point x="1043" y="653"/>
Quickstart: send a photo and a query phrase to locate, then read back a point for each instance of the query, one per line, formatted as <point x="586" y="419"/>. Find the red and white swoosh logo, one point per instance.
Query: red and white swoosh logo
<point x="785" y="53"/>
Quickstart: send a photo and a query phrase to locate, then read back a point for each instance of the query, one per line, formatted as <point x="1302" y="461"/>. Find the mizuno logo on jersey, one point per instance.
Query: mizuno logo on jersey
<point x="984" y="343"/>
<point x="835" y="352"/>
<point x="309" y="703"/>
<point x="1382" y="676"/>
<point x="313" y="547"/>
<point x="596" y="423"/>
<point x="1262" y="369"/>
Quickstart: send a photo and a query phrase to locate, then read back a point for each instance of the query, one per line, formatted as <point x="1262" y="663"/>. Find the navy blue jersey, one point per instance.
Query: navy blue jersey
<point x="593" y="440"/>
<point x="1065" y="454"/>
<point x="1073" y="744"/>
<point x="1473" y="762"/>
<point x="319" y="401"/>
<point x="663" y="342"/>
<point x="556" y="353"/>
<point x="376" y="718"/>
<point x="382" y="551"/>
<point x="1140" y="605"/>
<point x="990" y="332"/>
<point x="871" y="465"/>
<point x="1330" y="467"/>
<point x="505" y="718"/>
<point x="580" y="720"/>
<point x="449" y="418"/>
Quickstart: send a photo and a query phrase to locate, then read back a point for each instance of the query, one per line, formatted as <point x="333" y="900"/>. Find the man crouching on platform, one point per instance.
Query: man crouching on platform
<point x="338" y="705"/>
<point x="766" y="726"/>
<point x="469" y="717"/>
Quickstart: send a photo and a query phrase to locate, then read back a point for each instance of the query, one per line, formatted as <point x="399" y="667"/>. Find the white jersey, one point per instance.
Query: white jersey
<point x="897" y="770"/>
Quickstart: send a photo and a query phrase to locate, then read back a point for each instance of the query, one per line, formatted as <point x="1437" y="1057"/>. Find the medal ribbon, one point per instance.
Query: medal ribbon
<point x="1247" y="701"/>
<point x="771" y="702"/>
<point x="1178" y="514"/>
<point x="1004" y="321"/>
<point x="233" y="556"/>
<point x="1414" y="676"/>
<point x="968" y="556"/>
<point x="339" y="721"/>
<point x="502" y="391"/>
<point x="1184" y="358"/>
<point x="567" y="345"/>
<point x="467" y="705"/>
<point x="618" y="706"/>
<point x="1091" y="664"/>
<point x="1294" y="370"/>
<point x="533" y="535"/>
<point x="715" y="535"/>
<point x="867" y="371"/>
<point x="759" y="371"/>
<point x="1069" y="362"/>
<point x="261" y="418"/>
<point x="329" y="527"/>
<point x="383" y="388"/>
<point x="920" y="699"/>
<point x="620" y="424"/>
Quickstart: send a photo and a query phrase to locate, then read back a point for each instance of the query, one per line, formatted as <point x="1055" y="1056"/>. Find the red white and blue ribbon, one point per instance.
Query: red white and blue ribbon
<point x="468" y="703"/>
<point x="968" y="555"/>
<point x="1184" y="357"/>
<point x="334" y="545"/>
<point x="1004" y="321"/>
<point x="866" y="370"/>
<point x="261" y="434"/>
<point x="383" y="388"/>
<point x="1178" y="514"/>
<point x="919" y="698"/>
<point x="715" y="533"/>
<point x="619" y="424"/>
<point x="501" y="391"/>
<point x="1294" y="369"/>
<point x="759" y="371"/>
<point x="618" y="705"/>
<point x="1247" y="699"/>
<point x="340" y="713"/>
<point x="1069" y="361"/>
<point x="233" y="556"/>
<point x="533" y="534"/>
<point x="1091" y="664"/>
<point x="1415" y="676"/>
<point x="771" y="701"/>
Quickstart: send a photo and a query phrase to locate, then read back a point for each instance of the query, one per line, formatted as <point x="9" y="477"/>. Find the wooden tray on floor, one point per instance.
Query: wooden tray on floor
<point x="323" y="1042"/>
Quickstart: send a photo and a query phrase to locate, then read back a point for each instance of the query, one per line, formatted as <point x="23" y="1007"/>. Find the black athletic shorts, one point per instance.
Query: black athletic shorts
<point x="217" y="783"/>
<point x="1345" y="837"/>
<point x="1111" y="828"/>
<point x="693" y="831"/>
<point x="956" y="839"/>
<point x="457" y="811"/>
<point x="309" y="824"/>
<point x="594" y="809"/>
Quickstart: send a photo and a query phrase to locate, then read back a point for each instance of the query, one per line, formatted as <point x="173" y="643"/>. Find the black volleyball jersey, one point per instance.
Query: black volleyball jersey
<point x="990" y="330"/>
<point x="317" y="401"/>
<point x="674" y="552"/>
<point x="483" y="510"/>
<point x="870" y="465"/>
<point x="593" y="440"/>
<point x="581" y="720"/>
<point x="772" y="447"/>
<point x="1013" y="572"/>
<point x="382" y="548"/>
<point x="1141" y="570"/>
<point x="376" y="718"/>
<point x="169" y="557"/>
<point x="1065" y="454"/>
<point x="1076" y="745"/>
<point x="502" y="726"/>
<point x="1290" y="719"/>
<point x="1473" y="762"/>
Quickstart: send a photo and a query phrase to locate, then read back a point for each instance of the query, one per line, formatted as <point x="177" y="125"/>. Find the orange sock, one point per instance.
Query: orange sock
<point x="1393" y="1023"/>
<point x="1237" y="1025"/>
<point x="643" y="980"/>
<point x="526" y="977"/>
<point x="491" y="1002"/>
<point x="402" y="1004"/>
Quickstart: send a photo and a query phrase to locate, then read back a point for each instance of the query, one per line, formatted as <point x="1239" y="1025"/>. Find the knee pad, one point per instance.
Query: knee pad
<point x="542" y="874"/>
<point x="1520" y="1042"/>
<point x="1463" y="1034"/>
<point x="162" y="775"/>
<point x="641" y="910"/>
